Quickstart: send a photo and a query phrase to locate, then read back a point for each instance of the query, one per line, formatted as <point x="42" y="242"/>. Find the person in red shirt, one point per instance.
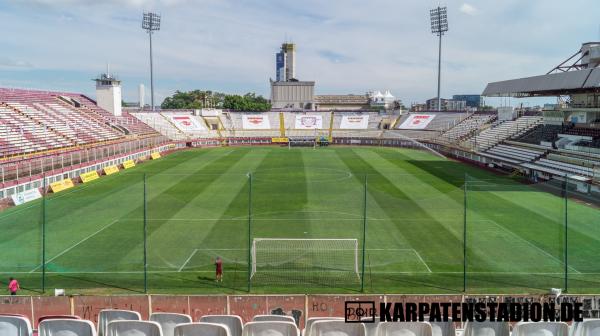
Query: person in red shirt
<point x="13" y="286"/>
<point x="219" y="269"/>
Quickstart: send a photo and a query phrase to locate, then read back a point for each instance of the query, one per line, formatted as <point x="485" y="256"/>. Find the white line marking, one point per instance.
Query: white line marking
<point x="77" y="244"/>
<point x="423" y="261"/>
<point x="187" y="260"/>
<point x="530" y="244"/>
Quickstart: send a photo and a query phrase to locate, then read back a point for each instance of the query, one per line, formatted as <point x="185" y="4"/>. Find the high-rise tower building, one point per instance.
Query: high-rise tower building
<point x="285" y="63"/>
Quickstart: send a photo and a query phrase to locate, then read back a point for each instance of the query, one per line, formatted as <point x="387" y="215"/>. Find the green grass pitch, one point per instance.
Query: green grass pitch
<point x="197" y="205"/>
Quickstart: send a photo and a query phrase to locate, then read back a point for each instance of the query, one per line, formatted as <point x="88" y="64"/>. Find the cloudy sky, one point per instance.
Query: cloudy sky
<point x="346" y="46"/>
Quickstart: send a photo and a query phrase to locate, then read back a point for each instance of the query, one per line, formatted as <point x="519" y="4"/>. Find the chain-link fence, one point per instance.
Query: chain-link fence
<point x="307" y="230"/>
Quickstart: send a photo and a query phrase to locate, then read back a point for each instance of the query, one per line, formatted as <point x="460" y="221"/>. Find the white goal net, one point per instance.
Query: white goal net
<point x="281" y="260"/>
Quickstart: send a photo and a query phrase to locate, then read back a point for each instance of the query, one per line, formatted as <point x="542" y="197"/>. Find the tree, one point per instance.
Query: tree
<point x="198" y="99"/>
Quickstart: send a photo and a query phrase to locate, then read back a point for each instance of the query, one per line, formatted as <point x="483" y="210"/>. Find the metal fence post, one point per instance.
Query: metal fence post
<point x="44" y="235"/>
<point x="249" y="231"/>
<point x="145" y="239"/>
<point x="566" y="252"/>
<point x="465" y="233"/>
<point x="362" y="278"/>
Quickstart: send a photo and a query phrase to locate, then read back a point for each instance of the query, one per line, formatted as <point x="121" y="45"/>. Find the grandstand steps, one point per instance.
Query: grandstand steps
<point x="179" y="132"/>
<point x="66" y="141"/>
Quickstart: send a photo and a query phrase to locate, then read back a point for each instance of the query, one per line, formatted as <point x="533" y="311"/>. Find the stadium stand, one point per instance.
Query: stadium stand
<point x="502" y="131"/>
<point x="38" y="121"/>
<point x="412" y="134"/>
<point x="542" y="133"/>
<point x="177" y="324"/>
<point x="441" y="121"/>
<point x="511" y="153"/>
<point x="467" y="127"/>
<point x="158" y="122"/>
<point x="562" y="168"/>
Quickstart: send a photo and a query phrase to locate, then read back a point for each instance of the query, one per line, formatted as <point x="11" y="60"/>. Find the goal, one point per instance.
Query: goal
<point x="285" y="260"/>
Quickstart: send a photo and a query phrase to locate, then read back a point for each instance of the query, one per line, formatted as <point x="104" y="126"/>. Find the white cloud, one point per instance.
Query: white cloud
<point x="468" y="9"/>
<point x="230" y="45"/>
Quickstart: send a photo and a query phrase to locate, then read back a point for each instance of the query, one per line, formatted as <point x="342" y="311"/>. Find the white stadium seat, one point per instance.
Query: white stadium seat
<point x="337" y="328"/>
<point x="108" y="315"/>
<point x="587" y="328"/>
<point x="14" y="326"/>
<point x="66" y="327"/>
<point x="264" y="328"/>
<point x="273" y="318"/>
<point x="486" y="328"/>
<point x="540" y="329"/>
<point x="310" y="321"/>
<point x="233" y="322"/>
<point x="133" y="328"/>
<point x="443" y="328"/>
<point x="201" y="329"/>
<point x="168" y="321"/>
<point x="404" y="329"/>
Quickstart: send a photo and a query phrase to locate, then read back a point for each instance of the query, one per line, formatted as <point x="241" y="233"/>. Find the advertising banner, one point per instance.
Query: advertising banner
<point x="89" y="176"/>
<point x="111" y="170"/>
<point x="128" y="164"/>
<point x="26" y="196"/>
<point x="417" y="121"/>
<point x="61" y="185"/>
<point x="186" y="122"/>
<point x="355" y="122"/>
<point x="309" y="122"/>
<point x="255" y="122"/>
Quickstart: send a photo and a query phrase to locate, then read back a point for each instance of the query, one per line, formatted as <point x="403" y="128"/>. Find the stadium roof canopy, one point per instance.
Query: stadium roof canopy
<point x="554" y="84"/>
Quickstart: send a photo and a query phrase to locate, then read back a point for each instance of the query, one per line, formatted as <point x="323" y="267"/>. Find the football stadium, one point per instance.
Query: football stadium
<point x="301" y="217"/>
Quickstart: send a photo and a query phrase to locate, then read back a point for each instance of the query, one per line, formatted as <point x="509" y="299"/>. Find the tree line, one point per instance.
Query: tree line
<point x="198" y="99"/>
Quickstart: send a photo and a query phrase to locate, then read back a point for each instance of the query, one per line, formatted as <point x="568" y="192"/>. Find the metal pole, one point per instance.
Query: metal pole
<point x="362" y="278"/>
<point x="151" y="73"/>
<point x="566" y="235"/>
<point x="439" y="98"/>
<point x="249" y="230"/>
<point x="465" y="234"/>
<point x="145" y="240"/>
<point x="44" y="236"/>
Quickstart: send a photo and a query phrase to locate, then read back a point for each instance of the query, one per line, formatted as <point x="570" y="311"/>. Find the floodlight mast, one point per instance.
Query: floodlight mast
<point x="439" y="25"/>
<point x="151" y="23"/>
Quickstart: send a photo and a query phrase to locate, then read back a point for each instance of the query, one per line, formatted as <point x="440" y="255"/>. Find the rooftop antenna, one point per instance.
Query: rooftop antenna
<point x="108" y="70"/>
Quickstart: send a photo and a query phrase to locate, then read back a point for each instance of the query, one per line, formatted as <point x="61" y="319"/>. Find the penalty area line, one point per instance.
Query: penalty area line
<point x="187" y="260"/>
<point x="75" y="245"/>
<point x="423" y="261"/>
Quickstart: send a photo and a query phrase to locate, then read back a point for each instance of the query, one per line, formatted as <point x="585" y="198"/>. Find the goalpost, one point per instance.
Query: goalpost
<point x="288" y="260"/>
